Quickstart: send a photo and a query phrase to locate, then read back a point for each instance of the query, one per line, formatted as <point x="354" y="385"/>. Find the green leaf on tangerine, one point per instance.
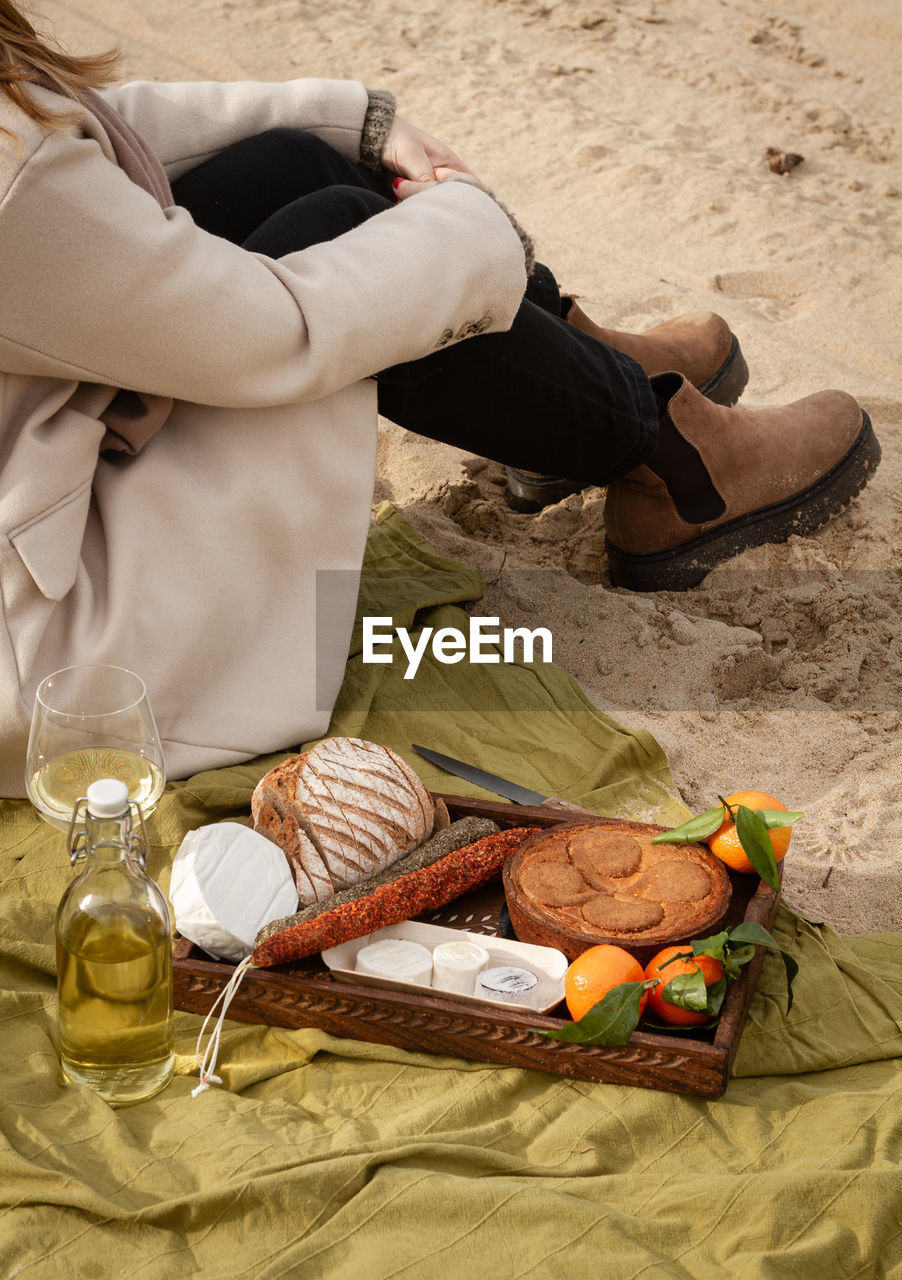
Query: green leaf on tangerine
<point x="611" y="1021"/>
<point x="713" y="946"/>
<point x="716" y="993"/>
<point x="687" y="991"/>
<point x="753" y="933"/>
<point x="773" y="819"/>
<point x="698" y="828"/>
<point x="734" y="958"/>
<point x="756" y="842"/>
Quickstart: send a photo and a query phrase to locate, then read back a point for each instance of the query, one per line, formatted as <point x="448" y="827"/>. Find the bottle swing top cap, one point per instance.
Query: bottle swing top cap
<point x="107" y="798"/>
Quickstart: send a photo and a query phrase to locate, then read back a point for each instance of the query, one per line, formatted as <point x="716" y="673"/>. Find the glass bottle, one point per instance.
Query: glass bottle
<point x="114" y="957"/>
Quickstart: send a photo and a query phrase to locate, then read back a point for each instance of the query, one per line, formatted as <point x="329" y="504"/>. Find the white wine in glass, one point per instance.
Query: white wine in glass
<point x="89" y="723"/>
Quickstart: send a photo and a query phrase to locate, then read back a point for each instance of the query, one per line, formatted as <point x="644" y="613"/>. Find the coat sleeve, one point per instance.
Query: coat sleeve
<point x="106" y="287"/>
<point x="185" y="123"/>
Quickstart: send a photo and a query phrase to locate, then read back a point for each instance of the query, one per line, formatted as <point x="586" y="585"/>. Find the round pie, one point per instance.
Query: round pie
<point x="576" y="885"/>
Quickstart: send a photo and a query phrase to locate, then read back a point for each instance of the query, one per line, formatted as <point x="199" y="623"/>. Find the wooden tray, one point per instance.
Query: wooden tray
<point x="304" y="994"/>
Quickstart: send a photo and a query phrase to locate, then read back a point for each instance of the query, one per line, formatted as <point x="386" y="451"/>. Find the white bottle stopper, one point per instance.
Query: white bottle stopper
<point x="107" y="798"/>
<point x="456" y="964"/>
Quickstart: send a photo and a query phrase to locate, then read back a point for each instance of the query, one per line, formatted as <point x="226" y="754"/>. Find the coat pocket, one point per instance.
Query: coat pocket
<point x="49" y="544"/>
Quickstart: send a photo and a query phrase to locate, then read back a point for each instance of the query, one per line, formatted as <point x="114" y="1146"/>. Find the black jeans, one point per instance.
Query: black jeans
<point x="542" y="396"/>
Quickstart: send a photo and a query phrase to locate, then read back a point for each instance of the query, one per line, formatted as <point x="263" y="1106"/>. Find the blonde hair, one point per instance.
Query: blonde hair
<point x="27" y="56"/>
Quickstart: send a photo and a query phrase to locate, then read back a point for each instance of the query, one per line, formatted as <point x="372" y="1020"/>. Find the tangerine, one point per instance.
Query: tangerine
<point x="592" y="975"/>
<point x="662" y="967"/>
<point x="725" y="844"/>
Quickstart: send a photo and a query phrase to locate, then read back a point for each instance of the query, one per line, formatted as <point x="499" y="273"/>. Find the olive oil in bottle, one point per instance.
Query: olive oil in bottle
<point x="114" y="959"/>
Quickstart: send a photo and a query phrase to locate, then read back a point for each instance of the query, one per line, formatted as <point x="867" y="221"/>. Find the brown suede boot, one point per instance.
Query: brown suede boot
<point x="768" y="473"/>
<point x="699" y="345"/>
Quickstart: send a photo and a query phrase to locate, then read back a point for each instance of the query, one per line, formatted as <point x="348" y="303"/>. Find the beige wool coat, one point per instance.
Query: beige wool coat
<point x="195" y="561"/>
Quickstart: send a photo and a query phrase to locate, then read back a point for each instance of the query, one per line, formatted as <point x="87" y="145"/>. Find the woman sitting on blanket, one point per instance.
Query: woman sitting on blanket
<point x="208" y="292"/>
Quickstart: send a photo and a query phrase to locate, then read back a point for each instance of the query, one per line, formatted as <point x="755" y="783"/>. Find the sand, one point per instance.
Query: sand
<point x="632" y="139"/>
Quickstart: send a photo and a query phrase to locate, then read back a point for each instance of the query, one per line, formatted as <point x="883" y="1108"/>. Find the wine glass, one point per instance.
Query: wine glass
<point x="91" y="722"/>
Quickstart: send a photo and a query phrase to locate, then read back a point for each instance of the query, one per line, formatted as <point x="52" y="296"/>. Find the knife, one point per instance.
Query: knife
<point x="492" y="782"/>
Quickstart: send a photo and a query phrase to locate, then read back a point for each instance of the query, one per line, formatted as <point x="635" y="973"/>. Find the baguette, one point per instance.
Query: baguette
<point x="401" y="899"/>
<point x="464" y="831"/>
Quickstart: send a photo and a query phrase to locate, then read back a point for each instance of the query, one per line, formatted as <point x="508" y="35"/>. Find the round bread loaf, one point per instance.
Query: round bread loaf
<point x="342" y="812"/>
<point x="577" y="885"/>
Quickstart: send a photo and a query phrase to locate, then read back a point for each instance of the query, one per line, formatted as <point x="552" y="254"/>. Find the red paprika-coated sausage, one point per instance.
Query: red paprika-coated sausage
<point x="400" y="899"/>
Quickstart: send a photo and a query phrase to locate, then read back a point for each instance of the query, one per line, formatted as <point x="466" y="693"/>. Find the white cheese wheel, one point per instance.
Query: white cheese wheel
<point x="505" y="982"/>
<point x="227" y="883"/>
<point x="398" y="959"/>
<point x="456" y="964"/>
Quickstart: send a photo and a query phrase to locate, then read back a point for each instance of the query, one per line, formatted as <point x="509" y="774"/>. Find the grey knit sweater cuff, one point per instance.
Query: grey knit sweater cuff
<point x="529" y="248"/>
<point x="378" y="120"/>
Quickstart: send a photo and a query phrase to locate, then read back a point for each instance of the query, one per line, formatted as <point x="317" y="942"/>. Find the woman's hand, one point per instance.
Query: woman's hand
<point x="404" y="187"/>
<point x="418" y="157"/>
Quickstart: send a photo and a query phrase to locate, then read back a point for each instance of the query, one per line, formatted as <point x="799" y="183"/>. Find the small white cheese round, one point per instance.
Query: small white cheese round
<point x="227" y="882"/>
<point x="505" y="982"/>
<point x="398" y="959"/>
<point x="456" y="964"/>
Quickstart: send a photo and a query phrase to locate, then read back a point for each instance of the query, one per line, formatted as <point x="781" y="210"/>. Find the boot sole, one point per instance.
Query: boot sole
<point x="687" y="564"/>
<point x="730" y="380"/>
<point x="530" y="496"/>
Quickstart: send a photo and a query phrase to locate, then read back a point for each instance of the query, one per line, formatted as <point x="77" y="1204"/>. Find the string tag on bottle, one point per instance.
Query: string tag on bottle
<point x="207" y="1064"/>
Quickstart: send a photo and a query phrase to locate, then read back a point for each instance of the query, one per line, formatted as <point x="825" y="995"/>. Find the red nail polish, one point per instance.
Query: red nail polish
<point x="396" y="182"/>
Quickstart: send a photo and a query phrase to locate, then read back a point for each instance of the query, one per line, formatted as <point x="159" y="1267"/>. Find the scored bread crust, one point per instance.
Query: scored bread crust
<point x="343" y="811"/>
<point x="271" y="819"/>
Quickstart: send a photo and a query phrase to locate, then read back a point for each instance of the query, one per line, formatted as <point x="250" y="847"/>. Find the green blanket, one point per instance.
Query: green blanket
<point x="325" y="1157"/>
